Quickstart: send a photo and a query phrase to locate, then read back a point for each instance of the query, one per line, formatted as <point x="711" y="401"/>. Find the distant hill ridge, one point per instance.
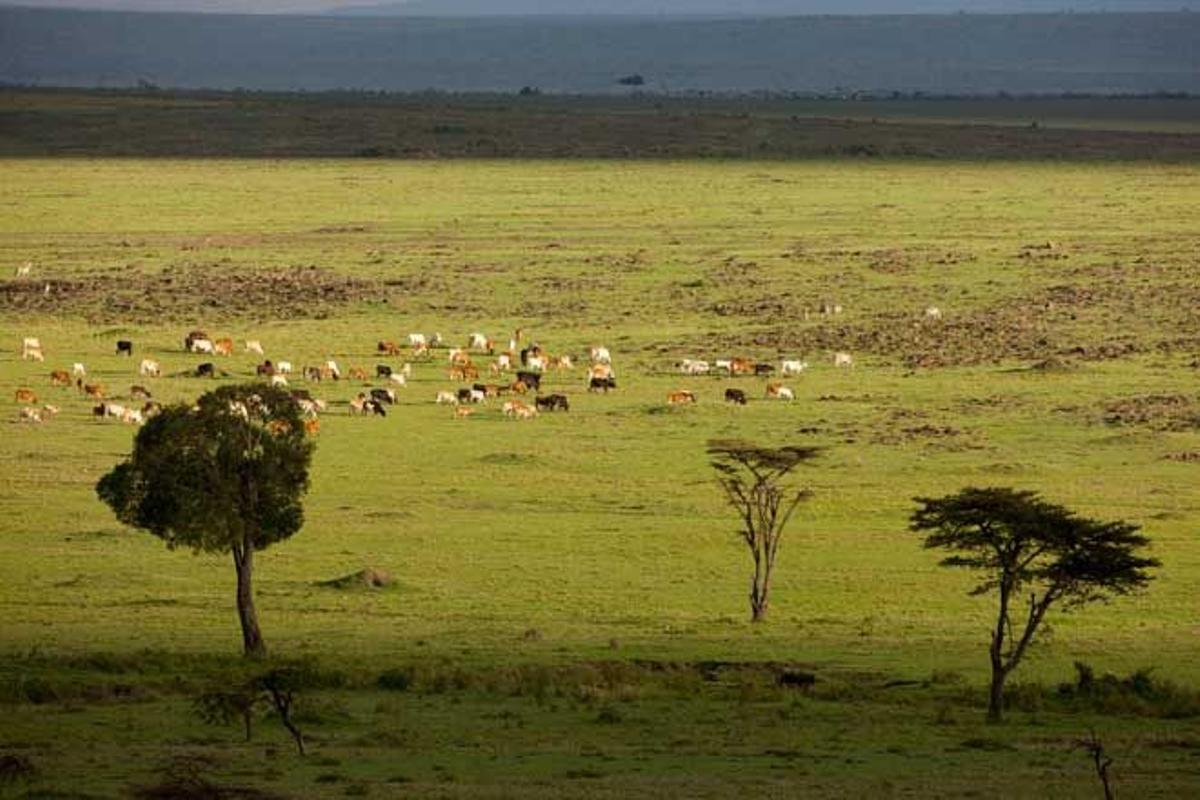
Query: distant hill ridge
<point x="750" y="8"/>
<point x="726" y="8"/>
<point x="948" y="54"/>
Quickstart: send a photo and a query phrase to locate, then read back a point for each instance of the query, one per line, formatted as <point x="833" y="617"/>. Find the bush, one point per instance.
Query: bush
<point x="394" y="680"/>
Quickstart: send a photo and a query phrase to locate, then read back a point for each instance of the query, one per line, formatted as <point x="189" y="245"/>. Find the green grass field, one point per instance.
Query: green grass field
<point x="541" y="566"/>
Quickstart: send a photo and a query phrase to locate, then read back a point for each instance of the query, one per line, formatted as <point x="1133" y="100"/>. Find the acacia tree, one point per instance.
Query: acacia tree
<point x="751" y="477"/>
<point x="1023" y="544"/>
<point x="224" y="476"/>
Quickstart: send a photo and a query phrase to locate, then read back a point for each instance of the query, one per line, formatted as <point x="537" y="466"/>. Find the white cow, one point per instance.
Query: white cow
<point x="478" y="341"/>
<point x="933" y="312"/>
<point x="25" y="269"/>
<point x="691" y="366"/>
<point x="447" y="398"/>
<point x="203" y="346"/>
<point x="418" y="340"/>
<point x="283" y="367"/>
<point x="149" y="368"/>
<point x="254" y="346"/>
<point x="723" y="365"/>
<point x="600" y="355"/>
<point x="332" y="366"/>
<point x="31" y="348"/>
<point x="78" y="370"/>
<point x="843" y="360"/>
<point x="398" y="379"/>
<point x="792" y="367"/>
<point x="279" y="379"/>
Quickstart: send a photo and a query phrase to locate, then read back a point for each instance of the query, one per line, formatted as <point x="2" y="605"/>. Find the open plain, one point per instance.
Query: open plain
<point x="567" y="612"/>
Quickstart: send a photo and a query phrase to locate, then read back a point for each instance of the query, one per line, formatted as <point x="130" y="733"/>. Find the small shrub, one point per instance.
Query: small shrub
<point x="394" y="680"/>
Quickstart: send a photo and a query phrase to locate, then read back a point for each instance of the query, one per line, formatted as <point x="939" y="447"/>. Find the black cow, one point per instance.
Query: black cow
<point x="266" y="368"/>
<point x="532" y="380"/>
<point x="375" y="407"/>
<point x="735" y="396"/>
<point x="383" y="396"/>
<point x="602" y="384"/>
<point x="795" y="679"/>
<point x="553" y="402"/>
<point x="763" y="369"/>
<point x="124" y="346"/>
<point x="383" y="371"/>
<point x="206" y="370"/>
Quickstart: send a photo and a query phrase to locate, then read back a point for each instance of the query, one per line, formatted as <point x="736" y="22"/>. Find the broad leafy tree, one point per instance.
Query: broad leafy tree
<point x="224" y="476"/>
<point x="755" y="483"/>
<point x="1033" y="555"/>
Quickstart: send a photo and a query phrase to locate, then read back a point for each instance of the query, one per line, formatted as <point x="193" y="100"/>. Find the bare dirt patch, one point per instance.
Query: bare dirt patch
<point x="218" y="291"/>
<point x="1160" y="412"/>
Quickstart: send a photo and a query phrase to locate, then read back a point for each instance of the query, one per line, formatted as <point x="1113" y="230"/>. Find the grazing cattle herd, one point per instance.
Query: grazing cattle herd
<point x="528" y="366"/>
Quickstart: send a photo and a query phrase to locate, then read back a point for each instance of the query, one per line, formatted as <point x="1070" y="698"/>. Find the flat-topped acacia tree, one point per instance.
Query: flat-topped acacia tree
<point x="224" y="476"/>
<point x="1034" y="552"/>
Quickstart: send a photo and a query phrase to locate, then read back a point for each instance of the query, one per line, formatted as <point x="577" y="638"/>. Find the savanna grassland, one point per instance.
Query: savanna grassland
<point x="568" y="612"/>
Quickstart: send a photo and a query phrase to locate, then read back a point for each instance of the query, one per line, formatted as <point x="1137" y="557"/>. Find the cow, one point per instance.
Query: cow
<point x="827" y="308"/>
<point x="125" y="347"/>
<point x="388" y="348"/>
<point x="792" y="367"/>
<point x="279" y="380"/>
<point x="740" y="366"/>
<point x="488" y="389"/>
<point x="78" y="370"/>
<point x="735" y="396"/>
<point x="724" y="365"/>
<point x="264" y="370"/>
<point x="202" y="346"/>
<point x="538" y="363"/>
<point x="151" y="409"/>
<point x="30" y="415"/>
<point x="477" y="341"/>
<point x="149" y="368"/>
<point x="779" y="392"/>
<point x="383" y="371"/>
<point x="374" y="407"/>
<point x="690" y="366"/>
<point x="518" y="387"/>
<point x="562" y="362"/>
<point x="139" y="392"/>
<point x="254" y="346"/>
<point x="532" y="380"/>
<point x="223" y="347"/>
<point x="503" y="363"/>
<point x="312" y="374"/>
<point x="552" y="402"/>
<point x="406" y="370"/>
<point x="49" y="410"/>
<point x="462" y="412"/>
<point x="600" y="371"/>
<point x="843" y="360"/>
<point x="24" y="395"/>
<point x="384" y="396"/>
<point x="60" y="377"/>
<point x="31" y="349"/>
<point x="92" y="390"/>
<point x="132" y="416"/>
<point x="599" y="355"/>
<point x="601" y="384"/>
<point x="24" y="271"/>
<point x="447" y="398"/>
<point x="518" y="409"/>
<point x="192" y="337"/>
<point x="763" y="370"/>
<point x="933" y="312"/>
<point x="357" y="374"/>
<point x="331" y="369"/>
<point x="114" y="410"/>
<point x="418" y="340"/>
<point x="206" y="370"/>
<point x="284" y="367"/>
<point x="100" y="411"/>
<point x="466" y="395"/>
<point x="680" y="397"/>
<point x="398" y="379"/>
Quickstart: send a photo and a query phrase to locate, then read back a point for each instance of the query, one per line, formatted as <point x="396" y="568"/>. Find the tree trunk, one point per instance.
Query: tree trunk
<point x="996" y="694"/>
<point x="253" y="645"/>
<point x="758" y="591"/>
